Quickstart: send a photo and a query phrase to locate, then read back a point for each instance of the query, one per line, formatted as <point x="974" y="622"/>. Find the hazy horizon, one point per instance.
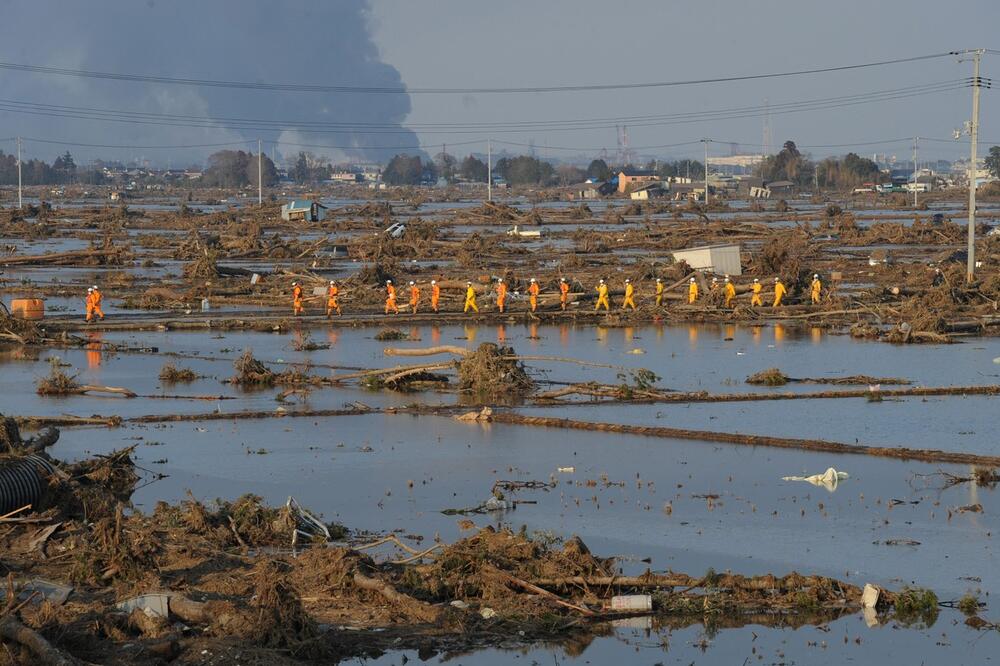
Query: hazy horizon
<point x="391" y="43"/>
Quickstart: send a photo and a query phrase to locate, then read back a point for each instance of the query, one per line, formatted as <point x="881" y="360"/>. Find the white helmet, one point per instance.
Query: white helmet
<point x="627" y="280"/>
<point x="777" y="279"/>
<point x="90" y="290"/>
<point x="756" y="280"/>
<point x="411" y="283"/>
<point x="602" y="280"/>
<point x="388" y="281"/>
<point x="815" y="276"/>
<point x="499" y="279"/>
<point x="562" y="279"/>
<point x="295" y="284"/>
<point x="532" y="279"/>
<point x="469" y="283"/>
<point x="94" y="287"/>
<point x="434" y="281"/>
<point x="691" y="280"/>
<point x="726" y="279"/>
<point x="331" y="281"/>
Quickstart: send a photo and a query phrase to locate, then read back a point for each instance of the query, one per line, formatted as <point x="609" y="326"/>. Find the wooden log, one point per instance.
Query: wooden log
<point x="427" y="351"/>
<point x="47" y="654"/>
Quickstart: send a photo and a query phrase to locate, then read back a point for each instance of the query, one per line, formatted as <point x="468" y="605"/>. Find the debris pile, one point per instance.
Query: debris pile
<point x="492" y="371"/>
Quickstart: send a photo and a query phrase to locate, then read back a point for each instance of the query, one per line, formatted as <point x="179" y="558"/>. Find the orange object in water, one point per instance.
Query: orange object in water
<point x="28" y="308"/>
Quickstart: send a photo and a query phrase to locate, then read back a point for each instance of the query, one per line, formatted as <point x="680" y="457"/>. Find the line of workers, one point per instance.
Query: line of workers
<point x="603" y="295"/>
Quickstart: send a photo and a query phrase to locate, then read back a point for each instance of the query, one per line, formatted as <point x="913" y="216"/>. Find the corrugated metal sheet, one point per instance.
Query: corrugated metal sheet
<point x="720" y="259"/>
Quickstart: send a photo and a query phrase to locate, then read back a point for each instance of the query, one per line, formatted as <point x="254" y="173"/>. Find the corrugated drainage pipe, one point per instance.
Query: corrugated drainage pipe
<point x="23" y="482"/>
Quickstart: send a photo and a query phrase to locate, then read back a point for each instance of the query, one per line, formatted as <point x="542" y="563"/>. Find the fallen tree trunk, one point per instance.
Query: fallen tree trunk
<point x="427" y="351"/>
<point x="46" y="653"/>
<point x="901" y="453"/>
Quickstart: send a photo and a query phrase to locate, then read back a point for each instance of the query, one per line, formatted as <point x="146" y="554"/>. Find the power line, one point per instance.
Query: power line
<point x="401" y="90"/>
<point x="322" y="127"/>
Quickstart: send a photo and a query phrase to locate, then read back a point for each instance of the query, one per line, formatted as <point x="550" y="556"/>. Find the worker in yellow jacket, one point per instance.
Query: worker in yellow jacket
<point x="756" y="298"/>
<point x="470" y="298"/>
<point x="779" y="292"/>
<point x="659" y="292"/>
<point x="629" y="295"/>
<point x="602" y="297"/>
<point x="692" y="291"/>
<point x="730" y="291"/>
<point x="815" y="289"/>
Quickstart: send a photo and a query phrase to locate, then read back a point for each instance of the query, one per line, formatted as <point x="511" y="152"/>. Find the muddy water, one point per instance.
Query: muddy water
<point x="685" y="505"/>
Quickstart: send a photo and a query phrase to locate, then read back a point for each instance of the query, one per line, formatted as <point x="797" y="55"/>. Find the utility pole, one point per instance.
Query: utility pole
<point x="260" y="174"/>
<point x="973" y="141"/>
<point x="705" y="141"/>
<point x="489" y="170"/>
<point x="20" y="202"/>
<point x="915" y="139"/>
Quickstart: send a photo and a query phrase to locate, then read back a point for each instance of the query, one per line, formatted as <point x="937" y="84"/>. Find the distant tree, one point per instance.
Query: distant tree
<point x="300" y="172"/>
<point x="403" y="170"/>
<point x="447" y="166"/>
<point x="226" y="168"/>
<point x="788" y="164"/>
<point x="474" y="169"/>
<point x="567" y="174"/>
<point x="525" y="170"/>
<point x="681" y="168"/>
<point x="64" y="168"/>
<point x="599" y="169"/>
<point x="266" y="168"/>
<point x="847" y="172"/>
<point x="993" y="161"/>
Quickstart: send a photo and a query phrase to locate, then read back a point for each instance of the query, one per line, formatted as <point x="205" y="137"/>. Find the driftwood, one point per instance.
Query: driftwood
<point x="901" y="453"/>
<point x="46" y="654"/>
<point x="426" y="611"/>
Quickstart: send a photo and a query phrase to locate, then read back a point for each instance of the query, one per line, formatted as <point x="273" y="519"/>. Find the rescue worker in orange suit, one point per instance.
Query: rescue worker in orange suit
<point x="756" y="298"/>
<point x="296" y="299"/>
<point x="94" y="304"/>
<point x="563" y="293"/>
<point x="779" y="292"/>
<point x="602" y="297"/>
<point x="629" y="295"/>
<point x="390" y="298"/>
<point x="815" y="289"/>
<point x="533" y="294"/>
<point x="501" y="295"/>
<point x="414" y="296"/>
<point x="692" y="291"/>
<point x="659" y="292"/>
<point x="470" y="298"/>
<point x="331" y="300"/>
<point x="435" y="295"/>
<point x="730" y="291"/>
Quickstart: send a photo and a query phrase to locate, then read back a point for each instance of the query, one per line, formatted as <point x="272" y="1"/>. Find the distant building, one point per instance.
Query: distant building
<point x="630" y="178"/>
<point x="781" y="186"/>
<point x="646" y="192"/>
<point x="345" y="177"/>
<point x="595" y="190"/>
<point x="303" y="210"/>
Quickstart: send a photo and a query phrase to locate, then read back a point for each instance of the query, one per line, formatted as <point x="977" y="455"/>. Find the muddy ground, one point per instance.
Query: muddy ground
<point x="424" y="554"/>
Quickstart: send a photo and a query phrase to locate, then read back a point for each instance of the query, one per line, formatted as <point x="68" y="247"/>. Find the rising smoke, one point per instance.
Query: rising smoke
<point x="293" y="41"/>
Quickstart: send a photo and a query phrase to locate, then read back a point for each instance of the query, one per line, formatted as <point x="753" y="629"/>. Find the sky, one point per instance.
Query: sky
<point x="515" y="43"/>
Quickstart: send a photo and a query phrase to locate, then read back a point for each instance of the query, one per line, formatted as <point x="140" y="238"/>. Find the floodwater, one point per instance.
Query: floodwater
<point x="628" y="496"/>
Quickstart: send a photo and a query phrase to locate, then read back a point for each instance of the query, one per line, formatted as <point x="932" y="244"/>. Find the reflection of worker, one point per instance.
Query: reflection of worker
<point x="659" y="292"/>
<point x="501" y="294"/>
<point x="692" y="291"/>
<point x="470" y="298"/>
<point x="94" y="351"/>
<point x="815" y="289"/>
<point x="533" y="294"/>
<point x="730" y="291"/>
<point x="390" y="298"/>
<point x="435" y="295"/>
<point x="779" y="292"/>
<point x="94" y="304"/>
<point x="331" y="300"/>
<point x="297" y="308"/>
<point x="414" y="296"/>
<point x="755" y="298"/>
<point x="629" y="295"/>
<point x="563" y="293"/>
<point x="602" y="297"/>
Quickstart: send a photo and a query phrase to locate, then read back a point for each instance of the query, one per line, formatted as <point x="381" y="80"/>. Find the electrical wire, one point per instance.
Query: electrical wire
<point x="403" y="90"/>
<point x="321" y="127"/>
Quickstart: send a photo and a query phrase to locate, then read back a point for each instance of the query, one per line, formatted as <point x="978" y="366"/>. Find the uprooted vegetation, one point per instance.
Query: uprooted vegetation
<point x="493" y="371"/>
<point x="253" y="373"/>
